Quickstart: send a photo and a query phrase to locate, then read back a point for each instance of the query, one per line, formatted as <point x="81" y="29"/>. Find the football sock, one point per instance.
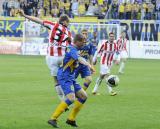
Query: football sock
<point x="85" y="86"/>
<point x="60" y="92"/>
<point x="78" y="104"/>
<point x="60" y="109"/>
<point x="121" y="68"/>
<point x="98" y="82"/>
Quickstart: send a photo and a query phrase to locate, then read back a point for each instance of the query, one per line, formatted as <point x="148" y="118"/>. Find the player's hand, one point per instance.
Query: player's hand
<point x="92" y="69"/>
<point x="94" y="61"/>
<point x="21" y="12"/>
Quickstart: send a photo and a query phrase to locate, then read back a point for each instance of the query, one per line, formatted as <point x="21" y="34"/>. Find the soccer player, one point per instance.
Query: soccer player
<point x="85" y="52"/>
<point x="66" y="78"/>
<point x="94" y="41"/>
<point x="59" y="38"/>
<point x="107" y="50"/>
<point x="122" y="41"/>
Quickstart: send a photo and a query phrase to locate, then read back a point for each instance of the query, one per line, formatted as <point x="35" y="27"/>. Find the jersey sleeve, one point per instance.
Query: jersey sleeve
<point x="74" y="53"/>
<point x="48" y="23"/>
<point x="90" y="52"/>
<point x="101" y="47"/>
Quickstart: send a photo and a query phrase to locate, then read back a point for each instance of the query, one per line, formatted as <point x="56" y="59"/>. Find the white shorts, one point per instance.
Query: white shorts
<point x="116" y="57"/>
<point x="53" y="63"/>
<point x="123" y="54"/>
<point x="104" y="69"/>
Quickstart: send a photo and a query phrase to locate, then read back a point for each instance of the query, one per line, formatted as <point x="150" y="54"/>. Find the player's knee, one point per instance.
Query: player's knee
<point x="102" y="76"/>
<point x="71" y="97"/>
<point x="84" y="96"/>
<point x="88" y="79"/>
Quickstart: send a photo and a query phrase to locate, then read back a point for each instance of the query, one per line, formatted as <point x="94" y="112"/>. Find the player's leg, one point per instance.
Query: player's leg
<point x="78" y="104"/>
<point x="110" y="89"/>
<point x="98" y="82"/>
<point x="66" y="85"/>
<point x="100" y="78"/>
<point x="123" y="61"/>
<point x="86" y="74"/>
<point x="53" y="65"/>
<point x="88" y="80"/>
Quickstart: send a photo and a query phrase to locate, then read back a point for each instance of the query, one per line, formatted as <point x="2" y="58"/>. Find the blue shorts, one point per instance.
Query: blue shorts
<point x="68" y="84"/>
<point x="83" y="70"/>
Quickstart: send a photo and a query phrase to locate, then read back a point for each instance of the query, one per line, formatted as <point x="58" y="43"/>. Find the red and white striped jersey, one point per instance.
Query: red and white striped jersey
<point x="107" y="51"/>
<point x="122" y="44"/>
<point x="58" y="38"/>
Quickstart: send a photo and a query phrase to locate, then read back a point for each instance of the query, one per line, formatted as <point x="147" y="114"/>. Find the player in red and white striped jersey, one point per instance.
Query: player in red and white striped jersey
<point x="107" y="51"/>
<point x="122" y="47"/>
<point x="59" y="38"/>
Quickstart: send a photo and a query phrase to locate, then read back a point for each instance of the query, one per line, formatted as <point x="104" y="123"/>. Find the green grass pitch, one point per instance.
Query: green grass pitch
<point x="28" y="98"/>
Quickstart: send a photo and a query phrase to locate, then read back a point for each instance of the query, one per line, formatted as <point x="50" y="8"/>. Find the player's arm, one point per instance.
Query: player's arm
<point x="34" y="19"/>
<point x="84" y="62"/>
<point x="91" y="59"/>
<point x="94" y="60"/>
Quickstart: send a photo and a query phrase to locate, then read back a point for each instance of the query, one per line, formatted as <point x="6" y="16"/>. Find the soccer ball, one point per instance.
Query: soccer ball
<point x="113" y="80"/>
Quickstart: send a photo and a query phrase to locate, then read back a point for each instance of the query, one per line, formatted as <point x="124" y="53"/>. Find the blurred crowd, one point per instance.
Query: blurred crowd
<point x="103" y="9"/>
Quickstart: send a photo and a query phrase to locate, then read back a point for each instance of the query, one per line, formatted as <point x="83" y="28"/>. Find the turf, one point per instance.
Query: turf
<point x="27" y="97"/>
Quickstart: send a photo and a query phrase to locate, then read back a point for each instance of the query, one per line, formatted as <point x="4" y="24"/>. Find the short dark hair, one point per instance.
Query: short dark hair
<point x="78" y="37"/>
<point x="84" y="30"/>
<point x="111" y="33"/>
<point x="63" y="18"/>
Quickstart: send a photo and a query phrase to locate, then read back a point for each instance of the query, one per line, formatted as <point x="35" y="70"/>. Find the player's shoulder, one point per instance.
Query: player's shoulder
<point x="48" y="22"/>
<point x="104" y="41"/>
<point x="71" y="48"/>
<point x="115" y="41"/>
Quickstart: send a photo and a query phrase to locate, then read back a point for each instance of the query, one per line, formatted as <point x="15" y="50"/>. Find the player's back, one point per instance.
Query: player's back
<point x="58" y="39"/>
<point x="70" y="62"/>
<point x="86" y="50"/>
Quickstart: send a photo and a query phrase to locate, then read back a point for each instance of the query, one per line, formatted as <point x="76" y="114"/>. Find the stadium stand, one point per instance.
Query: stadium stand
<point x="110" y="9"/>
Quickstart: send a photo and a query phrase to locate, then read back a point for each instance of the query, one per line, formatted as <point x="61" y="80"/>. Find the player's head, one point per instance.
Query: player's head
<point x="85" y="34"/>
<point x="123" y="34"/>
<point x="79" y="40"/>
<point x="111" y="37"/>
<point x="64" y="20"/>
<point x="95" y="33"/>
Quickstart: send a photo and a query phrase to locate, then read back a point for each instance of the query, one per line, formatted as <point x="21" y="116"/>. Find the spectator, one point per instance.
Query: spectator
<point x="114" y="9"/>
<point x="128" y="10"/>
<point x="81" y="8"/>
<point x="150" y="11"/>
<point x="55" y="10"/>
<point x="121" y="11"/>
<point x="87" y="4"/>
<point x="91" y="10"/>
<point x="104" y="8"/>
<point x="135" y="10"/>
<point x="67" y="6"/>
<point x="143" y="10"/>
<point x="5" y="8"/>
<point x="158" y="9"/>
<point x="45" y="7"/>
<point x="74" y="7"/>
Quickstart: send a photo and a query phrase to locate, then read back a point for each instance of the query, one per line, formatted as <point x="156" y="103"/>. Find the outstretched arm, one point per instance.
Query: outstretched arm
<point x="84" y="62"/>
<point x="34" y="19"/>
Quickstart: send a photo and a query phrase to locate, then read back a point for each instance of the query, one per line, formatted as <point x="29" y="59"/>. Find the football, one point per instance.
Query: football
<point x="113" y="80"/>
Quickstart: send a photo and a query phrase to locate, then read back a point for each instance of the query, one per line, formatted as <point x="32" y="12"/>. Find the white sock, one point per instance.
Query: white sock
<point x="109" y="88"/>
<point x="121" y="68"/>
<point x="98" y="82"/>
<point x="60" y="92"/>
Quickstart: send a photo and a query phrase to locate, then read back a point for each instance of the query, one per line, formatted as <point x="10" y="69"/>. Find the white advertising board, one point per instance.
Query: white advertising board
<point x="144" y="49"/>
